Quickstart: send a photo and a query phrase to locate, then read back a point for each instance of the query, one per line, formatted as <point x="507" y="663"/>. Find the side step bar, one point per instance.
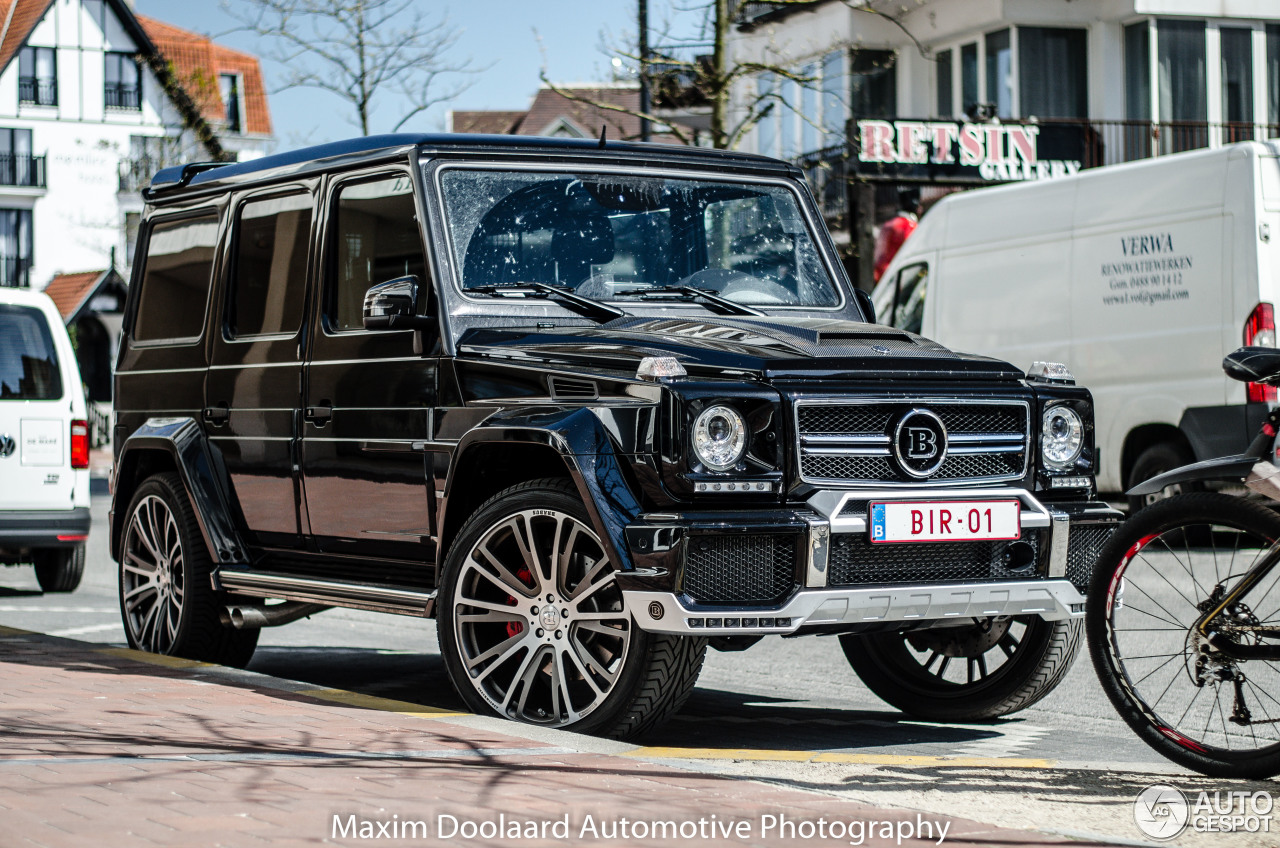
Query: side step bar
<point x="327" y="592"/>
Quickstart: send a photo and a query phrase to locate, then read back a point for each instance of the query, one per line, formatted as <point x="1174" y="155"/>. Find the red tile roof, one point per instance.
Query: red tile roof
<point x="550" y="109"/>
<point x="197" y="62"/>
<point x="493" y="121"/>
<point x="68" y="291"/>
<point x="17" y="19"/>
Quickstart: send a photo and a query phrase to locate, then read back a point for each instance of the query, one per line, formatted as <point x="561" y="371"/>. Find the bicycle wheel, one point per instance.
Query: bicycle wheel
<point x="1165" y="568"/>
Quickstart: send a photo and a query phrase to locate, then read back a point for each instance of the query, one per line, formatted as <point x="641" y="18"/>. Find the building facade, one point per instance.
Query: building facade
<point x="93" y="99"/>
<point x="950" y="93"/>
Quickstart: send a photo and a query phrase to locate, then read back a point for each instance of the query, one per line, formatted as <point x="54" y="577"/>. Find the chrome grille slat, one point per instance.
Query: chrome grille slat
<point x="845" y="441"/>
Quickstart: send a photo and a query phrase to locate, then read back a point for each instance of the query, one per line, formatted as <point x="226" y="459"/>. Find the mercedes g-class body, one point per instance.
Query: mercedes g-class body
<point x="593" y="407"/>
<point x="44" y="443"/>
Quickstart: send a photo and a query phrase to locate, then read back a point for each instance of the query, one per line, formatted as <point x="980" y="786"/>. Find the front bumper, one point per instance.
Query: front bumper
<point x="810" y="568"/>
<point x="23" y="530"/>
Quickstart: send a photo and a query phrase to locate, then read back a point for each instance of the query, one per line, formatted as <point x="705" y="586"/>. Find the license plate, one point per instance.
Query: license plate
<point x="945" y="521"/>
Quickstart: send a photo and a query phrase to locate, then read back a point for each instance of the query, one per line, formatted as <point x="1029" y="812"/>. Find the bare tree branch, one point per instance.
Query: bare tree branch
<point x="363" y="51"/>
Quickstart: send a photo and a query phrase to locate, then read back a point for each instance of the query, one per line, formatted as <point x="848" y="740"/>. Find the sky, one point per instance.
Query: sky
<point x="499" y="34"/>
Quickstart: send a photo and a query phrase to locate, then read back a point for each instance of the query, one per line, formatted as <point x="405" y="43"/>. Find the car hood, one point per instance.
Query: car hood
<point x="772" y="347"/>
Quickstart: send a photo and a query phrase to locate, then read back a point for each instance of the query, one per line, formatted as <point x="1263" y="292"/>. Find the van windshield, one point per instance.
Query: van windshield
<point x="616" y="237"/>
<point x="28" y="363"/>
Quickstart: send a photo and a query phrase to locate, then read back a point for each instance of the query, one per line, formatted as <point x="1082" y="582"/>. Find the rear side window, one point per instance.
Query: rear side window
<point x="376" y="239"/>
<point x="175" y="281"/>
<point x="28" y="363"/>
<point x="269" y="275"/>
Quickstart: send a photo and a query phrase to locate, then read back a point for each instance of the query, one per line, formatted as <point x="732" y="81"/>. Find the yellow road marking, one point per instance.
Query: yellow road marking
<point x="373" y="702"/>
<point x="766" y="755"/>
<point x="8" y="632"/>
<point x="152" y="659"/>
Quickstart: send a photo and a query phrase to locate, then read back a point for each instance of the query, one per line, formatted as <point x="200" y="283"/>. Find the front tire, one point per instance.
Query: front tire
<point x="532" y="625"/>
<point x="1153" y="581"/>
<point x="59" y="569"/>
<point x="976" y="672"/>
<point x="166" y="598"/>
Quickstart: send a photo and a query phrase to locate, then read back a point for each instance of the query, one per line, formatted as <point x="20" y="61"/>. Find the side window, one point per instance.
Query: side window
<point x="908" y="302"/>
<point x="269" y="272"/>
<point x="175" y="281"/>
<point x="375" y="239"/>
<point x="28" y="362"/>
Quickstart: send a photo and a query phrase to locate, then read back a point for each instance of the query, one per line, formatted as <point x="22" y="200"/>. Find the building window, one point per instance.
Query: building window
<point x="1237" y="83"/>
<point x="969" y="79"/>
<point x="123" y="83"/>
<point x="1053" y="79"/>
<point x="17" y="166"/>
<point x="832" y="98"/>
<point x="809" y="109"/>
<point x="38" y="76"/>
<point x="1273" y="76"/>
<point x="1137" y="72"/>
<point x="873" y="84"/>
<point x="15" y="247"/>
<point x="945" y="109"/>
<point x="1000" y="73"/>
<point x="1182" y="84"/>
<point x="787" y="119"/>
<point x="229" y="88"/>
<point x="767" y="127"/>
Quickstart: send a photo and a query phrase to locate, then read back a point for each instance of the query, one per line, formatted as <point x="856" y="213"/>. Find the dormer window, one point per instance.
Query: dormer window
<point x="123" y="82"/>
<point x="38" y="76"/>
<point x="229" y="88"/>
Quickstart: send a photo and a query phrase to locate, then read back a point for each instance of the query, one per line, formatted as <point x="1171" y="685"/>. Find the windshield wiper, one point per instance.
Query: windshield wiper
<point x="591" y="308"/>
<point x="724" y="304"/>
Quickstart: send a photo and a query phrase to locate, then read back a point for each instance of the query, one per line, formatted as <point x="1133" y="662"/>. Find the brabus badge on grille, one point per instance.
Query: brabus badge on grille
<point x="920" y="443"/>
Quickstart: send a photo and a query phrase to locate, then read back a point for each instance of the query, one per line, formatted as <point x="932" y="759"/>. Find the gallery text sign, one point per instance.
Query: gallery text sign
<point x="994" y="152"/>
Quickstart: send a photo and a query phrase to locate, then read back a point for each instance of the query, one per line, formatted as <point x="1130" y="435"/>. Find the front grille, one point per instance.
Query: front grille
<point x="748" y="569"/>
<point x="1083" y="546"/>
<point x="852" y="442"/>
<point x="854" y="561"/>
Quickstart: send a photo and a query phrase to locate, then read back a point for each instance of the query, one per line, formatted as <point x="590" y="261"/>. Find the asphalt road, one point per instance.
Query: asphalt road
<point x="787" y="694"/>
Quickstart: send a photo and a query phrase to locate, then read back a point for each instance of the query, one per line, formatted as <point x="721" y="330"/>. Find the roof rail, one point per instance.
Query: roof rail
<point x="177" y="176"/>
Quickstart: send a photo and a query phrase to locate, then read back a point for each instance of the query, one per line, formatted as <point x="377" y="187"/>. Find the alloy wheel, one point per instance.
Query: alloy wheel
<point x="151" y="579"/>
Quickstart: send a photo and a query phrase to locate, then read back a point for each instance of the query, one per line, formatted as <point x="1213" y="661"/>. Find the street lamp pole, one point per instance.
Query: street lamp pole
<point x="645" y="132"/>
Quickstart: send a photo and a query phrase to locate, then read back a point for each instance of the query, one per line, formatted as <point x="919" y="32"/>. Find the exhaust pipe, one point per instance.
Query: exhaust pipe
<point x="253" y="617"/>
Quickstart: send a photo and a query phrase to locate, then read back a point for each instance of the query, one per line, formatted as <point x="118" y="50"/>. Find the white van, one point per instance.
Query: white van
<point x="44" y="443"/>
<point x="1140" y="277"/>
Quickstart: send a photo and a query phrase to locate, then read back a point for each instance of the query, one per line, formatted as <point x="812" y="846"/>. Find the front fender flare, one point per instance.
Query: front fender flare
<point x="595" y="465"/>
<point x="185" y="443"/>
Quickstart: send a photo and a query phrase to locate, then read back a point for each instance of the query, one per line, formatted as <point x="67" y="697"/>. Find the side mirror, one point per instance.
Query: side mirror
<point x="864" y="303"/>
<point x="394" y="305"/>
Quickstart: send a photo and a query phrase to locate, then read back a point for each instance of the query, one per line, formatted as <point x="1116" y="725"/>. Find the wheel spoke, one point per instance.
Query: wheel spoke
<point x="522" y="532"/>
<point x="504" y="579"/>
<point x="521" y="681"/>
<point x="503" y="651"/>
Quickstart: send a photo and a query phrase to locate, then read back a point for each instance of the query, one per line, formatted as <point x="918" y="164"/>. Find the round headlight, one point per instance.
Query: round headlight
<point x="719" y="437"/>
<point x="1061" y="437"/>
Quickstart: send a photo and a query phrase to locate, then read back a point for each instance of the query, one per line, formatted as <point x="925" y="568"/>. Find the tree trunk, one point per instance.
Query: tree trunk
<point x="719" y="93"/>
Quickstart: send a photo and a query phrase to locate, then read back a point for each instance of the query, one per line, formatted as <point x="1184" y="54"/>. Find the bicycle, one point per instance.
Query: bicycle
<point x="1183" y="613"/>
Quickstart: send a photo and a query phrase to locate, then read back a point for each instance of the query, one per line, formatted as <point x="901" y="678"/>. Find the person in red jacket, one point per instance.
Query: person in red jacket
<point x="895" y="231"/>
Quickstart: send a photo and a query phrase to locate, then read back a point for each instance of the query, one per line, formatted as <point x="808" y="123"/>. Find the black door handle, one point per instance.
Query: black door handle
<point x="217" y="415"/>
<point x="318" y="415"/>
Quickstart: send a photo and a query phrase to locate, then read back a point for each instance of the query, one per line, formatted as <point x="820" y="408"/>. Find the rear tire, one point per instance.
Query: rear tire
<point x="166" y="598"/>
<point x="1154" y="461"/>
<point x="532" y="626"/>
<point x="900" y="667"/>
<point x="59" y="569"/>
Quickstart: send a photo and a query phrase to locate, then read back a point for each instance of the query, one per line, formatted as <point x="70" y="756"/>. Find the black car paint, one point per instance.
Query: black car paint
<point x="371" y="493"/>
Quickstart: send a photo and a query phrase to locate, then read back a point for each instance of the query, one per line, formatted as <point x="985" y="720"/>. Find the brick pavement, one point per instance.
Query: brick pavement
<point x="105" y="747"/>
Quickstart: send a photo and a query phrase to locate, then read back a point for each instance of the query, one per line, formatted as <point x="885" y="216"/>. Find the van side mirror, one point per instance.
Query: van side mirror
<point x="394" y="305"/>
<point x="864" y="303"/>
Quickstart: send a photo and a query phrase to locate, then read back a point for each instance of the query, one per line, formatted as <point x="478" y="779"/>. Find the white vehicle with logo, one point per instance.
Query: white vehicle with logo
<point x="44" y="443"/>
<point x="1141" y="276"/>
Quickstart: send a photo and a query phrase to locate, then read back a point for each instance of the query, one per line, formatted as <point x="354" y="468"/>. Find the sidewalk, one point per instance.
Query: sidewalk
<point x="104" y="746"/>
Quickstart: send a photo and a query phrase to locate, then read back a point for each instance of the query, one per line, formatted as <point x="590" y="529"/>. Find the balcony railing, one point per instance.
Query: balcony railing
<point x="122" y="96"/>
<point x="1105" y="142"/>
<point x="41" y="92"/>
<point x="22" y="170"/>
<point x="15" y="272"/>
<point x="136" y="173"/>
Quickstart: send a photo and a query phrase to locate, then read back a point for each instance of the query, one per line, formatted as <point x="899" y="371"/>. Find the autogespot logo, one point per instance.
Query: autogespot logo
<point x="1161" y="812"/>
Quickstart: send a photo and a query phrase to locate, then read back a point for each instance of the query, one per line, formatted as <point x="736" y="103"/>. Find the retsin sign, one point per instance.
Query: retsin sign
<point x="946" y="150"/>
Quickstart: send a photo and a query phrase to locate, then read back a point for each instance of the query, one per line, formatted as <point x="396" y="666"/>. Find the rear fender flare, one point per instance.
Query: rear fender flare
<point x="183" y="440"/>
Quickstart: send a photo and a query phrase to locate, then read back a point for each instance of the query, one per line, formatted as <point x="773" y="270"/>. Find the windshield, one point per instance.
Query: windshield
<point x="617" y="237"/>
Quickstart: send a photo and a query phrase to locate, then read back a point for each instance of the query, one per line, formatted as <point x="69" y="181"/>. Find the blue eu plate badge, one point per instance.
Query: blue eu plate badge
<point x="877" y="522"/>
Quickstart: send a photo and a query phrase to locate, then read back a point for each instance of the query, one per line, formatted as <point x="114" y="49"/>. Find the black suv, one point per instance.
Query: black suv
<point x="593" y="407"/>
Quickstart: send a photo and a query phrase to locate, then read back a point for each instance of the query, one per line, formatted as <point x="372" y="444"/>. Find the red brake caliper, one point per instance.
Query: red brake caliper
<point x="515" y="628"/>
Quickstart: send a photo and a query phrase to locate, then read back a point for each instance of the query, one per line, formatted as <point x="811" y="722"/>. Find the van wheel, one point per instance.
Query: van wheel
<point x="978" y="672"/>
<point x="166" y="599"/>
<point x="532" y="625"/>
<point x="1154" y="461"/>
<point x="59" y="569"/>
